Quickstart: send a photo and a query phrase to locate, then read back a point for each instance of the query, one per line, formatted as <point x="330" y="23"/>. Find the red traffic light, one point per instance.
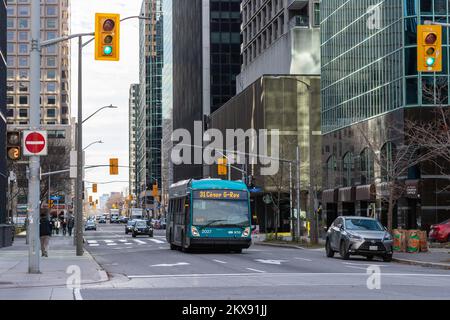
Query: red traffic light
<point x="431" y="38"/>
<point x="108" y="25"/>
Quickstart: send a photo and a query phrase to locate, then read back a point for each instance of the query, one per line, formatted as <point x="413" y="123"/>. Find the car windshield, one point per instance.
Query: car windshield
<point x="141" y="224"/>
<point x="220" y="213"/>
<point x="131" y="223"/>
<point x="363" y="225"/>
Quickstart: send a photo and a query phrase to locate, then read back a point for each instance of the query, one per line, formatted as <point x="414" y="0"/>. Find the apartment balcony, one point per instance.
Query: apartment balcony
<point x="296" y="4"/>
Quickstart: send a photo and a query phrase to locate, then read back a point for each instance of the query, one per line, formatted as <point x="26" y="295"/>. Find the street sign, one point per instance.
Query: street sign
<point x="55" y="198"/>
<point x="35" y="143"/>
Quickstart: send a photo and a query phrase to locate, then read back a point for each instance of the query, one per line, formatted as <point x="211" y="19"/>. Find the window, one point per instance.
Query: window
<point x="331" y="171"/>
<point x="64" y="98"/>
<point x="23" y="100"/>
<point x="51" y="87"/>
<point x="348" y="168"/>
<point x="51" y="35"/>
<point x="11" y="35"/>
<point x="23" y="74"/>
<point x="316" y="14"/>
<point x="51" y="23"/>
<point x="11" y="61"/>
<point x="10" y="74"/>
<point x="23" y="23"/>
<point x="51" y="100"/>
<point x="23" y="11"/>
<point x="51" y="62"/>
<point x="10" y="100"/>
<point x="23" y="36"/>
<point x="23" y="61"/>
<point x="10" y="23"/>
<point x="51" y="113"/>
<point x="10" y="48"/>
<point x="23" y="48"/>
<point x="10" y="87"/>
<point x="51" y="49"/>
<point x="367" y="166"/>
<point x="23" y="87"/>
<point x="10" y="113"/>
<point x="51" y="74"/>
<point x="23" y="113"/>
<point x="51" y="10"/>
<point x="387" y="160"/>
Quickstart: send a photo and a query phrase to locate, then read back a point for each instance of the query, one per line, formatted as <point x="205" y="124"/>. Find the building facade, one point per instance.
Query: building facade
<point x="55" y="66"/>
<point x="132" y="120"/>
<point x="370" y="90"/>
<point x="150" y="101"/>
<point x="279" y="37"/>
<point x="3" y="169"/>
<point x="206" y="61"/>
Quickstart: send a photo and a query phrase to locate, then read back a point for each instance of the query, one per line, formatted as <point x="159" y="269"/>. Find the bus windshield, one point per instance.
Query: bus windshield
<point x="220" y="213"/>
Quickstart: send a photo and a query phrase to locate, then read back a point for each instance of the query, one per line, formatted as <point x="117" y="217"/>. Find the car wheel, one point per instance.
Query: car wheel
<point x="369" y="258"/>
<point x="238" y="250"/>
<point x="343" y="251"/>
<point x="328" y="250"/>
<point x="134" y="236"/>
<point x="387" y="258"/>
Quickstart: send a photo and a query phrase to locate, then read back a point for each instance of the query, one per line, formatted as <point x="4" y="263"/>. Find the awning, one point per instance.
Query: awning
<point x="366" y="193"/>
<point x="330" y="196"/>
<point x="347" y="194"/>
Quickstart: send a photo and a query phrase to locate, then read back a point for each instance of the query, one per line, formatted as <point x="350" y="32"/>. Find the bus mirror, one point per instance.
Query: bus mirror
<point x="253" y="228"/>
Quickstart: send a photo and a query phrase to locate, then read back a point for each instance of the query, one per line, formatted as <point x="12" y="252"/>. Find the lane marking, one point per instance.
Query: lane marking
<point x="219" y="261"/>
<point x="304" y="259"/>
<point x="171" y="264"/>
<point x="123" y="240"/>
<point x="111" y="244"/>
<point x="255" y="270"/>
<point x="77" y="294"/>
<point x="94" y="245"/>
<point x="157" y="241"/>
<point x="128" y="243"/>
<point x="365" y="264"/>
<point x="92" y="241"/>
<point x="277" y="262"/>
<point x="108" y="241"/>
<point x="139" y="241"/>
<point x="360" y="268"/>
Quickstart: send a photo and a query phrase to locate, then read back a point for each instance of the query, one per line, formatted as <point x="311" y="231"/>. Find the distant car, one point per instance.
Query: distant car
<point x="142" y="228"/>
<point x="129" y="226"/>
<point x="114" y="219"/>
<point x="123" y="219"/>
<point x="358" y="236"/>
<point x="102" y="219"/>
<point x="90" y="225"/>
<point x="98" y="217"/>
<point x="440" y="232"/>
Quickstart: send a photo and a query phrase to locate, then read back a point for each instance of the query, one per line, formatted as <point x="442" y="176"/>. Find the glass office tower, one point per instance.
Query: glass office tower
<point x="370" y="79"/>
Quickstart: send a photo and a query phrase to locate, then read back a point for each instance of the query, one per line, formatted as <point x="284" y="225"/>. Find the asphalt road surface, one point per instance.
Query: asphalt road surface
<point x="146" y="268"/>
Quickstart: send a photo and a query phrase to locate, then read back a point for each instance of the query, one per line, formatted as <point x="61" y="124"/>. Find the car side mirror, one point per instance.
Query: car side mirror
<point x="341" y="227"/>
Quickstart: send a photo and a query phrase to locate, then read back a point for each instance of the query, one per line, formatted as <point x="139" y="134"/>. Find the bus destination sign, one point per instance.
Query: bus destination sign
<point x="221" y="194"/>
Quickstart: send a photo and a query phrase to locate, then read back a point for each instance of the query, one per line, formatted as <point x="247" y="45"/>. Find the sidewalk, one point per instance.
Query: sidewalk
<point x="435" y="258"/>
<point x="51" y="282"/>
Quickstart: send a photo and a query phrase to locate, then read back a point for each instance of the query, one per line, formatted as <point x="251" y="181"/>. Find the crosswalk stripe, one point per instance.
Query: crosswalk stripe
<point x="108" y="241"/>
<point x="157" y="241"/>
<point x="111" y="244"/>
<point x="93" y="245"/>
<point x="123" y="240"/>
<point x="139" y="241"/>
<point x="128" y="243"/>
<point x="92" y="241"/>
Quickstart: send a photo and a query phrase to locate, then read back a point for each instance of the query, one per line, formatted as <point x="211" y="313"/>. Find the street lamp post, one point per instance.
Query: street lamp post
<point x="92" y="143"/>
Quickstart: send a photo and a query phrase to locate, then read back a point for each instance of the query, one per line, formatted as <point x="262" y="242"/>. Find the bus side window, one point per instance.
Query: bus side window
<point x="186" y="210"/>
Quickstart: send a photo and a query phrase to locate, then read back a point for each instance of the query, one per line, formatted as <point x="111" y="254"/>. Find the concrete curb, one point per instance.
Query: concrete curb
<point x="282" y="245"/>
<point x="423" y="263"/>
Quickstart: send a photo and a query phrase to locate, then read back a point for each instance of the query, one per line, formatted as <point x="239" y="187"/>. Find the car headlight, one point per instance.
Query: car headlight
<point x="195" y="232"/>
<point x="354" y="236"/>
<point x="246" y="232"/>
<point x="387" y="237"/>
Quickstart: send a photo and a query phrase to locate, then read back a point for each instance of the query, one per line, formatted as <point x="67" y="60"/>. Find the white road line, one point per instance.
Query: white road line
<point x="360" y="268"/>
<point x="255" y="270"/>
<point x="364" y="264"/>
<point x="157" y="241"/>
<point x="129" y="247"/>
<point x="139" y="241"/>
<point x="111" y="244"/>
<point x="94" y="245"/>
<point x="128" y="243"/>
<point x="304" y="259"/>
<point x="108" y="241"/>
<point x="92" y="241"/>
<point x="218" y="261"/>
<point x="77" y="294"/>
<point x="123" y="240"/>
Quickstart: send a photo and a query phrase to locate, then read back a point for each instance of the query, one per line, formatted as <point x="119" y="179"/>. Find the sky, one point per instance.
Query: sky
<point x="105" y="83"/>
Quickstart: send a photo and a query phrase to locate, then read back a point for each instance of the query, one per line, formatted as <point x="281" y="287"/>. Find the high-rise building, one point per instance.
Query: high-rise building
<point x="3" y="169"/>
<point x="150" y="101"/>
<point x="279" y="37"/>
<point x="55" y="63"/>
<point x="133" y="103"/>
<point x="206" y="61"/>
<point x="370" y="84"/>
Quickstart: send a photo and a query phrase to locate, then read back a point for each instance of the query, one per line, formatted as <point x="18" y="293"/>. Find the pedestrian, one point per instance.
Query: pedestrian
<point x="57" y="225"/>
<point x="70" y="225"/>
<point x="45" y="231"/>
<point x="64" y="227"/>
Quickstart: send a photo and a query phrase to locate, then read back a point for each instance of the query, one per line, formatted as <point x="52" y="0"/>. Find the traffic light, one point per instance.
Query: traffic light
<point x="155" y="190"/>
<point x="94" y="188"/>
<point x="50" y="204"/>
<point x="222" y="166"/>
<point x="429" y="48"/>
<point x="13" y="145"/>
<point x="114" y="167"/>
<point x="107" y="36"/>
<point x="90" y="199"/>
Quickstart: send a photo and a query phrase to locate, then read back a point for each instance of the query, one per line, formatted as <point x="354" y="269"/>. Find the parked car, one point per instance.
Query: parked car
<point x="90" y="225"/>
<point x="142" y="228"/>
<point x="358" y="236"/>
<point x="129" y="226"/>
<point x="440" y="232"/>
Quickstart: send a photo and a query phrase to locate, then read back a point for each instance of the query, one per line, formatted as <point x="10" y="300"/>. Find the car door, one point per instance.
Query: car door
<point x="335" y="233"/>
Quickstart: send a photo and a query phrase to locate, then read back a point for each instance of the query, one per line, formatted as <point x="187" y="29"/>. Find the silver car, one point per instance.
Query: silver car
<point x="359" y="236"/>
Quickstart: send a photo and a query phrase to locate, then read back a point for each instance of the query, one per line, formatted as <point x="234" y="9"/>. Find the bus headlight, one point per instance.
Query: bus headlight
<point x="195" y="232"/>
<point x="246" y="232"/>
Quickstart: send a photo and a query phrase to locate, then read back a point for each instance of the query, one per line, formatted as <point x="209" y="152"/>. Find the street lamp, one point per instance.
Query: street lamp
<point x="102" y="108"/>
<point x="95" y="142"/>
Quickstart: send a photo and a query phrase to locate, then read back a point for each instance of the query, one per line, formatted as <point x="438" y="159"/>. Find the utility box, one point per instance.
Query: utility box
<point x="6" y="235"/>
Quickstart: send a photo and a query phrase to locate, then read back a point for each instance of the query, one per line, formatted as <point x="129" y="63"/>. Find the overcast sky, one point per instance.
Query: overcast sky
<point x="105" y="83"/>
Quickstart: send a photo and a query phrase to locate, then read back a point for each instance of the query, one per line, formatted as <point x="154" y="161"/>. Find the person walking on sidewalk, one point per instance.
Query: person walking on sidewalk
<point x="70" y="225"/>
<point x="45" y="231"/>
<point x="64" y="227"/>
<point x="57" y="225"/>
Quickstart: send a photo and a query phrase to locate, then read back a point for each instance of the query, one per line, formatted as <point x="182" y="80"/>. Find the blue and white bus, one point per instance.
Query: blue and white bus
<point x="209" y="213"/>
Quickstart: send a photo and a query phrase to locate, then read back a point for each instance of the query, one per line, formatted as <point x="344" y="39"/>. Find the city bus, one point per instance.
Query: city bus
<point x="209" y="213"/>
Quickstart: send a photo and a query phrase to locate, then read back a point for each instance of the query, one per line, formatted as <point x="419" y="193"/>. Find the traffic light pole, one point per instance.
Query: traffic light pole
<point x="79" y="144"/>
<point x="35" y="121"/>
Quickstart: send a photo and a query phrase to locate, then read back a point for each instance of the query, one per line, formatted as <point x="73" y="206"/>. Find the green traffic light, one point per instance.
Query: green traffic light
<point x="430" y="62"/>
<point x="107" y="50"/>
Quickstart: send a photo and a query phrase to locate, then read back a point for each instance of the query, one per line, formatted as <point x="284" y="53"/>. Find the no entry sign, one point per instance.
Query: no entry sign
<point x="35" y="143"/>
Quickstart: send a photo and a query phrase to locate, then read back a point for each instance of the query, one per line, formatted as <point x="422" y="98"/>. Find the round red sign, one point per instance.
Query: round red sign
<point x="35" y="142"/>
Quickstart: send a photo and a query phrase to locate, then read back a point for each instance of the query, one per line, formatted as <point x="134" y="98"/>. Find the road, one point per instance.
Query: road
<point x="146" y="268"/>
